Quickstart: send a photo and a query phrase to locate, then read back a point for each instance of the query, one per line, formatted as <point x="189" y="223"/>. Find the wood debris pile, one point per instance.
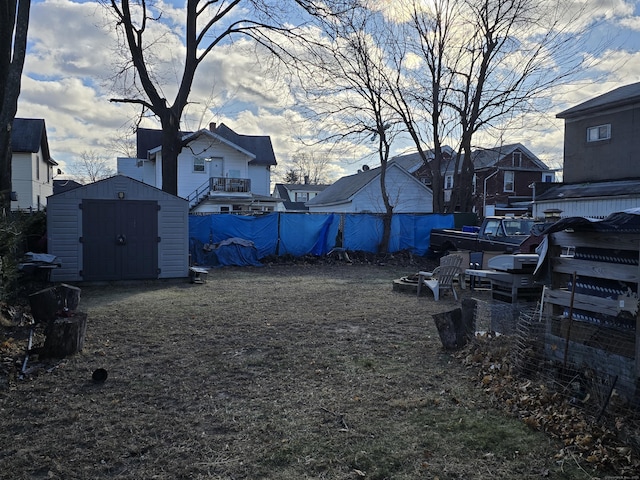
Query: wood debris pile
<point x="608" y="442"/>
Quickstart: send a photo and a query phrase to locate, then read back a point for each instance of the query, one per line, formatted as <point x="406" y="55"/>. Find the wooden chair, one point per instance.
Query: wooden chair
<point x="454" y="260"/>
<point x="441" y="280"/>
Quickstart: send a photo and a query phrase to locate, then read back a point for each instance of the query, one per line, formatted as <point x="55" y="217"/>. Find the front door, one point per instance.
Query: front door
<point x="119" y="239"/>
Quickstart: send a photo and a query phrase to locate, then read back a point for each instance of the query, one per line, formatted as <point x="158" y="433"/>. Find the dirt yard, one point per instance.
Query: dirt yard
<point x="280" y="372"/>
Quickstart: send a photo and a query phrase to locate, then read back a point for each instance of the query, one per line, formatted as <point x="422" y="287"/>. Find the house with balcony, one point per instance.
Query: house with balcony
<point x="502" y="179"/>
<point x="32" y="168"/>
<point x="601" y="172"/>
<point x="219" y="170"/>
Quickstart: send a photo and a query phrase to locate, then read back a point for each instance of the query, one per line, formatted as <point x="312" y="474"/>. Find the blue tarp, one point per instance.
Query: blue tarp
<point x="302" y="234"/>
<point x="315" y="234"/>
<point x="262" y="231"/>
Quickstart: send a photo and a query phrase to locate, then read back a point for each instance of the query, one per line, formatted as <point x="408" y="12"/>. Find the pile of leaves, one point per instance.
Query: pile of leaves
<point x="609" y="441"/>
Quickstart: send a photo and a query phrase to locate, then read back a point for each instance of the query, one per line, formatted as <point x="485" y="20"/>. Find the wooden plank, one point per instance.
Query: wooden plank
<point x="588" y="268"/>
<point x="595" y="336"/>
<point x="590" y="303"/>
<point x="607" y="240"/>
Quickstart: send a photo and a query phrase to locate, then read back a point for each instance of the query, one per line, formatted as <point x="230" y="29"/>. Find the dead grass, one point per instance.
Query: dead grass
<point x="281" y="372"/>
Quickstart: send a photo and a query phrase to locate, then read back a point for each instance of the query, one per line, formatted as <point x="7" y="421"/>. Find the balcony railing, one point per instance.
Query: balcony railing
<point x="224" y="184"/>
<point x="219" y="184"/>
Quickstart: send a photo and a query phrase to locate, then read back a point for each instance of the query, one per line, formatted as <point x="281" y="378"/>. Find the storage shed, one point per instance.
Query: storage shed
<point x="118" y="229"/>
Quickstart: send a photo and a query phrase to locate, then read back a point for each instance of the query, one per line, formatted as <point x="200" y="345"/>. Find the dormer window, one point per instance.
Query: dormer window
<point x="598" y="133"/>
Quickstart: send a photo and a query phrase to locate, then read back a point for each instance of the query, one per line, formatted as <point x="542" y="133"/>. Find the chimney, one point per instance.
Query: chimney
<point x="212" y="126"/>
<point x="306" y="179"/>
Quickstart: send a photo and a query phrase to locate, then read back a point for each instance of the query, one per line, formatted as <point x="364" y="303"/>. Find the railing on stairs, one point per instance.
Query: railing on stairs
<point x="219" y="184"/>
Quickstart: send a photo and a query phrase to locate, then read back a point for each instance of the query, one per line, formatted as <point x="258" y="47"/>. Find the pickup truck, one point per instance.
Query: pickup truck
<point x="496" y="234"/>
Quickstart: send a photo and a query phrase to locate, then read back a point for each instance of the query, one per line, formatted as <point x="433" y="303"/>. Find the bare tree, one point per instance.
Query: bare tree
<point x="310" y="167"/>
<point x="347" y="89"/>
<point x="208" y="24"/>
<point x="90" y="167"/>
<point x="488" y="62"/>
<point x="14" y="23"/>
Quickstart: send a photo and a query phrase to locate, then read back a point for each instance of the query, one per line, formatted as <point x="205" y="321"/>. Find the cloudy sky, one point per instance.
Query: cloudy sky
<point x="68" y="80"/>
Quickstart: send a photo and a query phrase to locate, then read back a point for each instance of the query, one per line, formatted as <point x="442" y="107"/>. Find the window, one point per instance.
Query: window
<point x="601" y="132"/>
<point x="37" y="167"/>
<point x="516" y="159"/>
<point x="547" y="177"/>
<point x="302" y="196"/>
<point x="508" y="181"/>
<point x="198" y="165"/>
<point x="448" y="182"/>
<point x="474" y="184"/>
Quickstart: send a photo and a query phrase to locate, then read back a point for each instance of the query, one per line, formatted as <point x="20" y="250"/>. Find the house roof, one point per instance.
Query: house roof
<point x="488" y="157"/>
<point x="482" y="157"/>
<point x="346" y="187"/>
<point x="621" y="96"/>
<point x="30" y="135"/>
<point x="613" y="188"/>
<point x="283" y="190"/>
<point x="258" y="146"/>
<point x="60" y="186"/>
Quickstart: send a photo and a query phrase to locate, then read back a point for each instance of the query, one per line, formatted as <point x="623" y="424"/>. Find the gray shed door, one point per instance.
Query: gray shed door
<point x="119" y="239"/>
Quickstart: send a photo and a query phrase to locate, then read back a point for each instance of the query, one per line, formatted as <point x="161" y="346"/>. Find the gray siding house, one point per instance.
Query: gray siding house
<point x="118" y="229"/>
<point x="601" y="153"/>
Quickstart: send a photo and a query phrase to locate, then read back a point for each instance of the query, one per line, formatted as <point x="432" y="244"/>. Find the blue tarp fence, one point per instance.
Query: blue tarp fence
<point x="300" y="234"/>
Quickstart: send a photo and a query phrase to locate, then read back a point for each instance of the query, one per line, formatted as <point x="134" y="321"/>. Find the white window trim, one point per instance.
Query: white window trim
<point x="448" y="182"/>
<point x="597" y="129"/>
<point x="197" y="160"/>
<point x="518" y="156"/>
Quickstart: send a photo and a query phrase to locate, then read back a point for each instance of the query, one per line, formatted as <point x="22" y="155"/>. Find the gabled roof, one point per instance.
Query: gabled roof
<point x="589" y="190"/>
<point x="208" y="133"/>
<point x="482" y="157"/>
<point x="257" y="146"/>
<point x="29" y="135"/>
<point x="346" y="187"/>
<point x="284" y="189"/>
<point x="488" y="157"/>
<point x="622" y="96"/>
<point x="413" y="161"/>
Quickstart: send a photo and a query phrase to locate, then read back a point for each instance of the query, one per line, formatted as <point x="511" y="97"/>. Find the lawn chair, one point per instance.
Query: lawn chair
<point x="454" y="260"/>
<point x="441" y="280"/>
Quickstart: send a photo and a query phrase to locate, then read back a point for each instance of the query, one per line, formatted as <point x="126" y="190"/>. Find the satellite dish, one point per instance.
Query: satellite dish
<point x="365" y="168"/>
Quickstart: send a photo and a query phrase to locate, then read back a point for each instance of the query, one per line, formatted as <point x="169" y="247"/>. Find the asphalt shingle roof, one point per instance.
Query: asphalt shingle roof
<point x="29" y="135"/>
<point x="621" y="96"/>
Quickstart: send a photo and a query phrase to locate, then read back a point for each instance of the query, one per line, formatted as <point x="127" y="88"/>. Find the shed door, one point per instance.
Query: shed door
<point x="119" y="239"/>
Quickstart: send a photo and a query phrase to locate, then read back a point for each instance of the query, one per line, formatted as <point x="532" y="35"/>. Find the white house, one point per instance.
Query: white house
<point x="219" y="171"/>
<point x="294" y="196"/>
<point x="31" y="164"/>
<point x="362" y="193"/>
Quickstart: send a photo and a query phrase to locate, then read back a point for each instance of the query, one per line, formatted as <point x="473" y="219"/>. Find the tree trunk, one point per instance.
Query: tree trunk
<point x="13" y="47"/>
<point x="65" y="336"/>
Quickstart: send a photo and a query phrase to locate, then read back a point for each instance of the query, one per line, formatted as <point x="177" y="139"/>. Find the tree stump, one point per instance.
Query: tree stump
<point x="65" y="336"/>
<point x="456" y="327"/>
